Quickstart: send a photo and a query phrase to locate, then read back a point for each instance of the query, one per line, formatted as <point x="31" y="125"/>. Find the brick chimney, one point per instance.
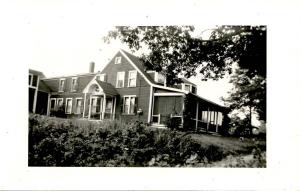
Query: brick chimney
<point x="92" y="67"/>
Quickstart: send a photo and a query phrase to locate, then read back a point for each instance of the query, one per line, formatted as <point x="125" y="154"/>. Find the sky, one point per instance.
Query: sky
<point x="67" y="37"/>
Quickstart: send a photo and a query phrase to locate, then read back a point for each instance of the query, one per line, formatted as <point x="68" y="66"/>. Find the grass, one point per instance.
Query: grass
<point x="229" y="145"/>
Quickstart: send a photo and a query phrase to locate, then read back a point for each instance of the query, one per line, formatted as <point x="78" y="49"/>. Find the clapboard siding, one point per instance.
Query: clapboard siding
<point x="142" y="89"/>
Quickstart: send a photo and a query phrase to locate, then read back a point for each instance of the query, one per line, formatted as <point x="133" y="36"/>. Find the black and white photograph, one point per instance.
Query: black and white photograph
<point x="145" y="108"/>
<point x="150" y="95"/>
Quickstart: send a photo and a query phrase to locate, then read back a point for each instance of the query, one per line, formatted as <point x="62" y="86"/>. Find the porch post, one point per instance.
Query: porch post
<point x="89" y="117"/>
<point x="114" y="111"/>
<point x="35" y="94"/>
<point x="48" y="107"/>
<point x="104" y="106"/>
<point x="84" y="105"/>
<point x="208" y="119"/>
<point x="197" y="116"/>
<point x="217" y="122"/>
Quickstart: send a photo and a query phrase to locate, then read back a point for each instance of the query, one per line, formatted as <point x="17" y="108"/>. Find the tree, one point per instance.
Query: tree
<point x="248" y="93"/>
<point x="175" y="50"/>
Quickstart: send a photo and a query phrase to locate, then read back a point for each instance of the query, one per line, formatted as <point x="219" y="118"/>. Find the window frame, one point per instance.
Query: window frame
<point x="76" y="84"/>
<point x="195" y="89"/>
<point x="66" y="111"/>
<point x="102" y="75"/>
<point x="189" y="90"/>
<point x="118" y="60"/>
<point x="31" y="79"/>
<point x="63" y="89"/>
<point x="57" y="100"/>
<point x="80" y="112"/>
<point x="135" y="73"/>
<point x="129" y="108"/>
<point x="54" y="104"/>
<point x="123" y="72"/>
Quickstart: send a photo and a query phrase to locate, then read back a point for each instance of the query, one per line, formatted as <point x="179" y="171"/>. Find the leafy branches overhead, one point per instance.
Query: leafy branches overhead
<point x="177" y="50"/>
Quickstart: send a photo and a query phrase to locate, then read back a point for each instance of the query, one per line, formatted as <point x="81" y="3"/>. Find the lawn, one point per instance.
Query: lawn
<point x="73" y="142"/>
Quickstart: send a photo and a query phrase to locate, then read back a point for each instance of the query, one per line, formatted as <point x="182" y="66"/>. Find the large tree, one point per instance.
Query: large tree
<point x="177" y="50"/>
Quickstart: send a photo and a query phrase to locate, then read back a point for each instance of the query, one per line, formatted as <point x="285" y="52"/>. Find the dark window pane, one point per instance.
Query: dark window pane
<point x="30" y="79"/>
<point x="34" y="81"/>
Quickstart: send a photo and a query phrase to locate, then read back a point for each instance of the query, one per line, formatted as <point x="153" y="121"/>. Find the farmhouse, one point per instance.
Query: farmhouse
<point x="123" y="90"/>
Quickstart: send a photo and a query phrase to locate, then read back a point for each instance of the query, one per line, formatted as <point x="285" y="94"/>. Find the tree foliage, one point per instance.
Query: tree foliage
<point x="175" y="50"/>
<point x="248" y="93"/>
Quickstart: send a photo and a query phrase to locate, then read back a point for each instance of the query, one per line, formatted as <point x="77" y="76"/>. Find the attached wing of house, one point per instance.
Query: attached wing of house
<point x="127" y="91"/>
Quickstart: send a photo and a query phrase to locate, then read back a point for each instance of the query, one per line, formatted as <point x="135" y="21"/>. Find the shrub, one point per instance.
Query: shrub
<point x="173" y="123"/>
<point x="70" y="142"/>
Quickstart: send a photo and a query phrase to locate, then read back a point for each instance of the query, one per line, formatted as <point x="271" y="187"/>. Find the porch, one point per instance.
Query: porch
<point x="200" y="114"/>
<point x="102" y="100"/>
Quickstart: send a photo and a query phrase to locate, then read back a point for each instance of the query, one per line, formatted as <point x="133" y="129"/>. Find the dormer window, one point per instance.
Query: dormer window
<point x="194" y="90"/>
<point x="102" y="77"/>
<point x="187" y="87"/>
<point x="61" y="85"/>
<point x="74" y="84"/>
<point x="118" y="60"/>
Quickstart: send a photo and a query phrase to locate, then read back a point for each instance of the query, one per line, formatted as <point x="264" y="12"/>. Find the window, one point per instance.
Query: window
<point x="129" y="104"/>
<point x="160" y="78"/>
<point x="68" y="105"/>
<point x="61" y="85"/>
<point x="120" y="79"/>
<point x="74" y="84"/>
<point x="187" y="87"/>
<point x="78" y="105"/>
<point x="102" y="77"/>
<point x="132" y="78"/>
<point x="60" y="102"/>
<point x="194" y="90"/>
<point x="118" y="60"/>
<point x="52" y="103"/>
<point x="34" y="80"/>
<point x="30" y="79"/>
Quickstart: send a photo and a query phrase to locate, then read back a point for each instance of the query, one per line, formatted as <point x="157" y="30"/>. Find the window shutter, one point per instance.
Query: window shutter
<point x="136" y="105"/>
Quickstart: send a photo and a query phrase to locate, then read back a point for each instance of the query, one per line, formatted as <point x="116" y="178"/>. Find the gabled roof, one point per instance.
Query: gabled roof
<point x="139" y="64"/>
<point x="82" y="79"/>
<point x="107" y="88"/>
<point x="187" y="81"/>
<point x="35" y="72"/>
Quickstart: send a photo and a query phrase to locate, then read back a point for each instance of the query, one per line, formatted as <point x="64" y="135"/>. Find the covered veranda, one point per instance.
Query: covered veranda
<point x="101" y="100"/>
<point x="208" y="116"/>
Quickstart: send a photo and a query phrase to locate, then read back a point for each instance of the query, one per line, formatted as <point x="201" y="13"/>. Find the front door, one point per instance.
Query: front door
<point x="95" y="108"/>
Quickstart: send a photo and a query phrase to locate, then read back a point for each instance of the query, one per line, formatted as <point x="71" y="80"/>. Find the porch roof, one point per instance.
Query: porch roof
<point x="210" y="103"/>
<point x="107" y="88"/>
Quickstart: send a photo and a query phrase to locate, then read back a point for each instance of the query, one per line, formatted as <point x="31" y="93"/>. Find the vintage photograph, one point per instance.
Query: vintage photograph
<point x="153" y="96"/>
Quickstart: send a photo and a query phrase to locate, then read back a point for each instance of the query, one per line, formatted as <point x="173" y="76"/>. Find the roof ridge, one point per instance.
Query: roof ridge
<point x="74" y="75"/>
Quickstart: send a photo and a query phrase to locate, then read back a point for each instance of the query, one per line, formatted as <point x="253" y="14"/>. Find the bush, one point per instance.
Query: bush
<point x="70" y="142"/>
<point x="173" y="123"/>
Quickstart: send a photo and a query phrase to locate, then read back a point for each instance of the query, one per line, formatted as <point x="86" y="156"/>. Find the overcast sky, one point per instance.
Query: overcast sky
<point x="67" y="36"/>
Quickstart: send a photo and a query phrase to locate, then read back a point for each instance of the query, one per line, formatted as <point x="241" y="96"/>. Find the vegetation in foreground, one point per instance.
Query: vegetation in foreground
<point x="66" y="142"/>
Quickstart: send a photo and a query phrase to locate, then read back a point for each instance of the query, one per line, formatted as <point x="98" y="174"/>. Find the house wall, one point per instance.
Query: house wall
<point x="69" y="95"/>
<point x="142" y="89"/>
